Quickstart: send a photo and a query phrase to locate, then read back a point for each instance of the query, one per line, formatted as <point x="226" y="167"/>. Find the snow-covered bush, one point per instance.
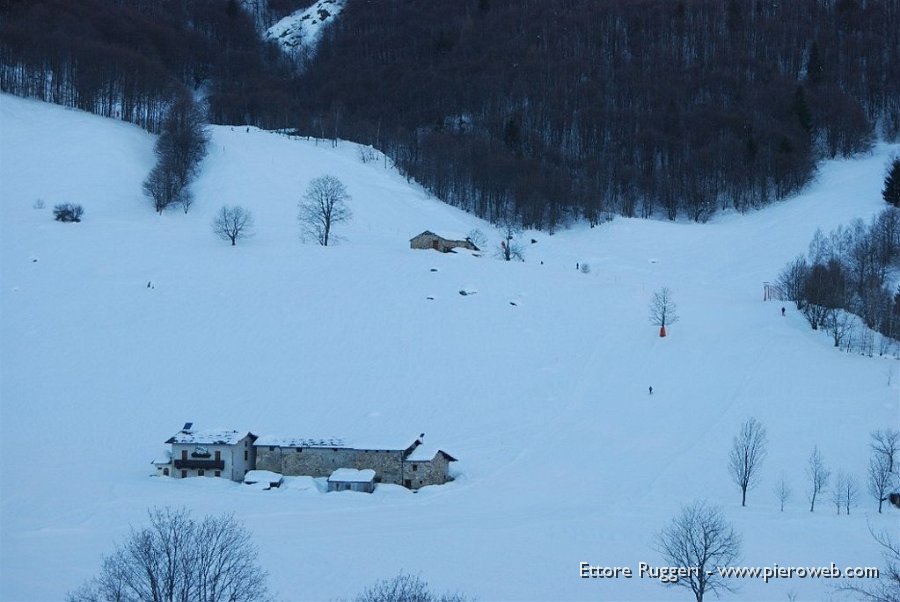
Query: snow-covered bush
<point x="68" y="212"/>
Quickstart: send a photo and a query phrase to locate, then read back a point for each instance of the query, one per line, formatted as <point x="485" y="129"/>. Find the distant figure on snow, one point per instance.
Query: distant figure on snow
<point x="651" y="390"/>
<point x="577" y="266"/>
<point x="782" y="312"/>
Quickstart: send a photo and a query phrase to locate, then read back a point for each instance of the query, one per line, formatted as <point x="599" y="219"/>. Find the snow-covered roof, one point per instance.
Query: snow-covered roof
<point x="426" y="453"/>
<point x="445" y="236"/>
<point x="351" y="475"/>
<point x="210" y="437"/>
<point x="276" y="441"/>
<point x="262" y="476"/>
<point x="164" y="458"/>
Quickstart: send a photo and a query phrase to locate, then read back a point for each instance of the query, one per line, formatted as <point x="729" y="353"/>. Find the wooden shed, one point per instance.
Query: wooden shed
<point x="430" y="240"/>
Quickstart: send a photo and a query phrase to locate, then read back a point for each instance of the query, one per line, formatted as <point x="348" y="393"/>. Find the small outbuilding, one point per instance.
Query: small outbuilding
<point x="430" y="240"/>
<point x="265" y="479"/>
<point x="351" y="479"/>
<point x="426" y="465"/>
<point x="163" y="464"/>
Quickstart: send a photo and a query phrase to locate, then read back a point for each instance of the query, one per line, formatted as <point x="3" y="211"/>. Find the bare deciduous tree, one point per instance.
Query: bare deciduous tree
<point x="880" y="478"/>
<point x="849" y="492"/>
<point x="405" y="588"/>
<point x="792" y="280"/>
<point x="747" y="454"/>
<point x="837" y="491"/>
<point x="177" y="558"/>
<point x="662" y="310"/>
<point x="839" y="324"/>
<point x="323" y="205"/>
<point x="510" y="246"/>
<point x="232" y="223"/>
<point x="818" y="477"/>
<point x="782" y="491"/>
<point x="700" y="537"/>
<point x="160" y="187"/>
<point x="179" y="150"/>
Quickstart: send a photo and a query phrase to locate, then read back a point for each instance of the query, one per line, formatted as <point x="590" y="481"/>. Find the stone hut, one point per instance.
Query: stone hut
<point x="426" y="466"/>
<point x="351" y="479"/>
<point x="430" y="240"/>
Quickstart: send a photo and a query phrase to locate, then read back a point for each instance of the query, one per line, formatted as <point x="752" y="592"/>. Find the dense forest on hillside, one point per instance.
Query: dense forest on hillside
<point x="542" y="110"/>
<point x="632" y="106"/>
<point x="133" y="60"/>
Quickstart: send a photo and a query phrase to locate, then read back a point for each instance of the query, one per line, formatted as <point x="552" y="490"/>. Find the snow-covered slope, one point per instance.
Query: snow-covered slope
<point x="300" y="31"/>
<point x="563" y="456"/>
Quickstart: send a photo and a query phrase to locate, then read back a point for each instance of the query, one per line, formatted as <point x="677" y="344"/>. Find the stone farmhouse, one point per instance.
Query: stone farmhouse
<point x="430" y="240"/>
<point x="412" y="466"/>
<point x="217" y="453"/>
<point x="232" y="454"/>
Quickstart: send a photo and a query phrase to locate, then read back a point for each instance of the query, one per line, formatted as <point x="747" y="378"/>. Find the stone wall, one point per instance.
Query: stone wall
<point x="428" y="472"/>
<point x="322" y="461"/>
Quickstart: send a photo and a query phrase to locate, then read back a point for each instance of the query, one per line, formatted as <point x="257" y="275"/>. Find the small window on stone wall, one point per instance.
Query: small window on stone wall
<point x="218" y="473"/>
<point x="200" y="472"/>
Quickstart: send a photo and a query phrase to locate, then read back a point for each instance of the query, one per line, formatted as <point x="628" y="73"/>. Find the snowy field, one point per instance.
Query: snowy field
<point x="563" y="455"/>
